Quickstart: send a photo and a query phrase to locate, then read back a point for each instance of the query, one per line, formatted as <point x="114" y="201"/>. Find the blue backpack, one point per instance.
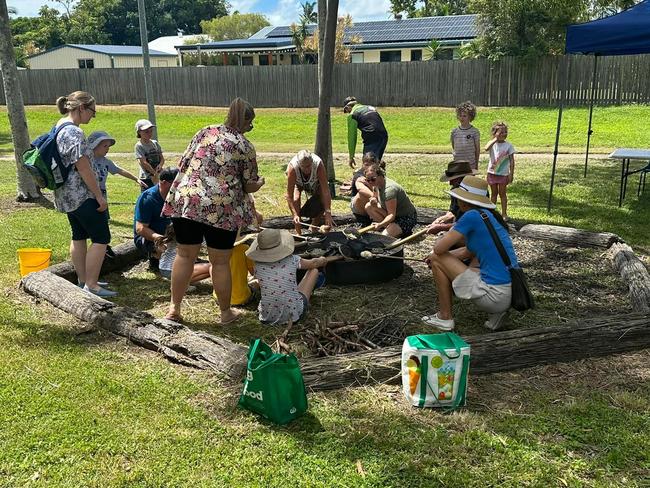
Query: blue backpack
<point x="43" y="161"/>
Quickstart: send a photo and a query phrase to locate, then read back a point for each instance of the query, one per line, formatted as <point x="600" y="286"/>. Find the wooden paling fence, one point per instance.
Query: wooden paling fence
<point x="508" y="82"/>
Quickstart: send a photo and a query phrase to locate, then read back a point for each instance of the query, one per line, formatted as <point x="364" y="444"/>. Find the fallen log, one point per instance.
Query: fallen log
<point x="125" y="255"/>
<point x="493" y="352"/>
<point x="634" y="275"/>
<point x="174" y="341"/>
<point x="569" y="236"/>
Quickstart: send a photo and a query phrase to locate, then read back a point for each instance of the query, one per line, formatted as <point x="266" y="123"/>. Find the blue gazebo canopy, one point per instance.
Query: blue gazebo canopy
<point x="627" y="32"/>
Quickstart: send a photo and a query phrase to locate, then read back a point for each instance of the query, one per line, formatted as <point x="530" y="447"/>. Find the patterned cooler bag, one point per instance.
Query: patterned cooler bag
<point x="435" y="369"/>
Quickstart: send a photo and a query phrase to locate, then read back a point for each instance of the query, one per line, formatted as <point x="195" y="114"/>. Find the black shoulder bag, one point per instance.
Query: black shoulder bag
<point x="522" y="299"/>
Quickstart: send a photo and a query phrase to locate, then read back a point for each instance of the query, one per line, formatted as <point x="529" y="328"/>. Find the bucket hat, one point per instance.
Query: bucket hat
<point x="457" y="169"/>
<point x="271" y="245"/>
<point x="473" y="190"/>
<point x="98" y="136"/>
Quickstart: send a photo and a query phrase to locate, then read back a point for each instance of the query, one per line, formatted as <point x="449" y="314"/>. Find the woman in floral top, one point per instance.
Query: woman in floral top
<point x="208" y="200"/>
<point x="80" y="196"/>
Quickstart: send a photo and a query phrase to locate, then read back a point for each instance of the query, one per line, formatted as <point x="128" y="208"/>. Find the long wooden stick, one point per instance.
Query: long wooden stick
<point x="407" y="239"/>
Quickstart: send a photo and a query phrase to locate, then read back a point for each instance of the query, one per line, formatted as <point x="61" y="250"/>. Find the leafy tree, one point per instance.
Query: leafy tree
<point x="235" y="26"/>
<point x="431" y="50"/>
<point x="309" y="14"/>
<point x="341" y="51"/>
<point x="531" y="29"/>
<point x="429" y="8"/>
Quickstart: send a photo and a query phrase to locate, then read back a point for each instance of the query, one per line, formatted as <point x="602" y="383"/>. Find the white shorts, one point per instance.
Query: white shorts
<point x="489" y="298"/>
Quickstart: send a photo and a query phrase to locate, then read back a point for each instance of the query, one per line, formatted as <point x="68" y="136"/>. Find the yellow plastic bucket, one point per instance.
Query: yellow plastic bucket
<point x="32" y="259"/>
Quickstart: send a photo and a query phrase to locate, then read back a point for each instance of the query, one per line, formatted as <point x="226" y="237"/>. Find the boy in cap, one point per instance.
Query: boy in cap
<point x="369" y="122"/>
<point x="100" y="143"/>
<point x="148" y="153"/>
<point x="454" y="174"/>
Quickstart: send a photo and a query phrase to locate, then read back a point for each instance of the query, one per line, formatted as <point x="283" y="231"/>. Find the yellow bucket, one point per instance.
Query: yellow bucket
<point x="33" y="259"/>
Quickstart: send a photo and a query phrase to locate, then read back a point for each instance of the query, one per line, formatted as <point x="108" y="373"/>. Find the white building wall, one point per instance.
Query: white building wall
<point x="137" y="62"/>
<point x="68" y="57"/>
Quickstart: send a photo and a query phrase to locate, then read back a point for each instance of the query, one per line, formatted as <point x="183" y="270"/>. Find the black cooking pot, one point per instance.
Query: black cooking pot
<point x="354" y="270"/>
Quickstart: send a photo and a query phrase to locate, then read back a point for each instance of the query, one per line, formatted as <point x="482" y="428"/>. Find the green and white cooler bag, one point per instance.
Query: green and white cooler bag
<point x="435" y="369"/>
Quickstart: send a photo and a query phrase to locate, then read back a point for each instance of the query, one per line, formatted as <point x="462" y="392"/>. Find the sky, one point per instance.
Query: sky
<point x="279" y="12"/>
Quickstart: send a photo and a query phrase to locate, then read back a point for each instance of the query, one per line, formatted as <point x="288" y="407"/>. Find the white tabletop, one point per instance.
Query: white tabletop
<point x="625" y="153"/>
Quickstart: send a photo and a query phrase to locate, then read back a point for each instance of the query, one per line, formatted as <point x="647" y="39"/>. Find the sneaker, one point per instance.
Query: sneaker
<point x="495" y="321"/>
<point x="101" y="292"/>
<point x="442" y="324"/>
<point x="81" y="284"/>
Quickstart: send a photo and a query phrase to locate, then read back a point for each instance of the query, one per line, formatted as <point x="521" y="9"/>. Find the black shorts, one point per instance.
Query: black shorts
<point x="87" y="223"/>
<point x="189" y="232"/>
<point x="313" y="207"/>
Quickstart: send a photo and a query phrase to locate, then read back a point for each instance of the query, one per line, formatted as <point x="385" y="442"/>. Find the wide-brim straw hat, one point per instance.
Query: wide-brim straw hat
<point x="271" y="245"/>
<point x="474" y="191"/>
<point x="457" y="169"/>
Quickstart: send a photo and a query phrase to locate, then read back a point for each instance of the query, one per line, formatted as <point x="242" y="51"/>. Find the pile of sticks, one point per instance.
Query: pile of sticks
<point x="331" y="338"/>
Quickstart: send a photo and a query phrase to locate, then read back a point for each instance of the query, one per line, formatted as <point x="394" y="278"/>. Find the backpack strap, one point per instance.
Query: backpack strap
<point x="58" y="129"/>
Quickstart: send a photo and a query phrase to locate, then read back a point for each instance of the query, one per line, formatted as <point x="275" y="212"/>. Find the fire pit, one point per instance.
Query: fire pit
<point x="354" y="270"/>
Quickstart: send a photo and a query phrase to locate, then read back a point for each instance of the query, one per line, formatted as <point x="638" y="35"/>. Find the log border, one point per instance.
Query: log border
<point x="205" y="351"/>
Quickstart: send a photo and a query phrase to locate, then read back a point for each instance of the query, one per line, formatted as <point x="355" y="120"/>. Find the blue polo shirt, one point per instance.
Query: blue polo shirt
<point x="478" y="241"/>
<point x="147" y="211"/>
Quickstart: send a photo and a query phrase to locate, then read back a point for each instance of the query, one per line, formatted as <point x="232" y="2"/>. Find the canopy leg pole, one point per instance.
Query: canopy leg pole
<point x="563" y="81"/>
<point x="591" y="110"/>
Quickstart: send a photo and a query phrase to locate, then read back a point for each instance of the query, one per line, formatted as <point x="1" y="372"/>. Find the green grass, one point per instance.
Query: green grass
<point x="91" y="410"/>
<point x="411" y="129"/>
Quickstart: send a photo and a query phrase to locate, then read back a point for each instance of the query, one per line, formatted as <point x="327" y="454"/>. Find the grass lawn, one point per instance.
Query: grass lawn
<point x="80" y="407"/>
<point x="415" y="130"/>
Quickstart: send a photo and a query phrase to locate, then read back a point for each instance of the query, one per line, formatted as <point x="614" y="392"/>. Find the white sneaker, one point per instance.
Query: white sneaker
<point x="442" y="324"/>
<point x="495" y="321"/>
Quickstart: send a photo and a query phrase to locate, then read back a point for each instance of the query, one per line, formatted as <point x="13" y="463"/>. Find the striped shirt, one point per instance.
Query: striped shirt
<point x="464" y="143"/>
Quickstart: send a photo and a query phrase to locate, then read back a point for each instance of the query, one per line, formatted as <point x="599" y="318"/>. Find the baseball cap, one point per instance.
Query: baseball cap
<point x="348" y="101"/>
<point x="98" y="136"/>
<point x="142" y="124"/>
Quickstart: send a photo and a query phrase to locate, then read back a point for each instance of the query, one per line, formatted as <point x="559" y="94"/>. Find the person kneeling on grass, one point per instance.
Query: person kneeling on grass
<point x="167" y="252"/>
<point x="486" y="281"/>
<point x="275" y="269"/>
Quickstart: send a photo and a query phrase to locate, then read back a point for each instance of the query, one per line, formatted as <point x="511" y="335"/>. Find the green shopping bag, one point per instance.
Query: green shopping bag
<point x="273" y="387"/>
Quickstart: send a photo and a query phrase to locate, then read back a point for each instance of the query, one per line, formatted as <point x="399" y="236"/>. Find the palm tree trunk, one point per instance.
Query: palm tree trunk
<point x="327" y="19"/>
<point x="27" y="190"/>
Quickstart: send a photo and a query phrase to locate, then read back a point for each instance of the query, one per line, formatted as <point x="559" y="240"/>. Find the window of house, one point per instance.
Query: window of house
<point x="390" y="56"/>
<point x="247" y="60"/>
<point x="445" y="54"/>
<point x="264" y="59"/>
<point x="295" y="59"/>
<point x="86" y="63"/>
<point x="356" y="58"/>
<point x="416" y="54"/>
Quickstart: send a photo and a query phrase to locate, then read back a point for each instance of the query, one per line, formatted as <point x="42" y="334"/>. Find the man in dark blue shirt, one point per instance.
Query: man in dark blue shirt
<point x="148" y="224"/>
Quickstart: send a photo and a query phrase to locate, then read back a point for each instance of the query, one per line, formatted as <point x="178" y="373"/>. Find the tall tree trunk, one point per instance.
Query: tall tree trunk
<point x="26" y="189"/>
<point x="327" y="19"/>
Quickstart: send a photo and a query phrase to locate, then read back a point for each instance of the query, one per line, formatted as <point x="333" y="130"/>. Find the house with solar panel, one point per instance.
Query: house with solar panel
<point x="383" y="41"/>
<point x="88" y="56"/>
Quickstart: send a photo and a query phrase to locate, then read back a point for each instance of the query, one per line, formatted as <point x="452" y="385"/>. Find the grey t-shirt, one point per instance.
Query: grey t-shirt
<point x="151" y="151"/>
<point x="72" y="145"/>
<point x="393" y="191"/>
<point x="103" y="166"/>
<point x="465" y="143"/>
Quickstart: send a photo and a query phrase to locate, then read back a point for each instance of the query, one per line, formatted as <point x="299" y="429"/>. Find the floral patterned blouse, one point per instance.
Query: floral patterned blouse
<point x="209" y="187"/>
<point x="72" y="145"/>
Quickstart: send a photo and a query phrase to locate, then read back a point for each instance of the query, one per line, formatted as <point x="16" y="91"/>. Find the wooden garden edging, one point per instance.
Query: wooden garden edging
<point x="491" y="352"/>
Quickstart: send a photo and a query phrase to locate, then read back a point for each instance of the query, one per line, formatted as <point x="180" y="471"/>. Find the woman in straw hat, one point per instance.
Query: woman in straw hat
<point x="486" y="281"/>
<point x="283" y="299"/>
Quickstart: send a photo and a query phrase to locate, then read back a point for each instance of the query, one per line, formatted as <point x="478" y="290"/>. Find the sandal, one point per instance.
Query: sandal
<point x="238" y="314"/>
<point x="442" y="324"/>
